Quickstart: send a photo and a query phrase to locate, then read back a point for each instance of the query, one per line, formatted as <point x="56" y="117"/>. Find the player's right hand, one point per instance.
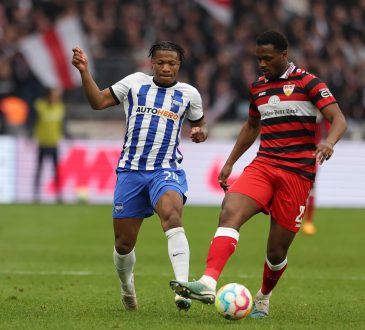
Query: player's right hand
<point x="224" y="175"/>
<point x="79" y="59"/>
<point x="324" y="151"/>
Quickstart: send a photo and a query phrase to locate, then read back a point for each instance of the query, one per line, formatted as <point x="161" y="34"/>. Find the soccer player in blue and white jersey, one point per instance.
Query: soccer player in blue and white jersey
<point x="149" y="174"/>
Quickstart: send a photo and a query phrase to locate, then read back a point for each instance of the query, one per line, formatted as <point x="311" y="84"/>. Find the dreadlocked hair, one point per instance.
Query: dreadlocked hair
<point x="167" y="45"/>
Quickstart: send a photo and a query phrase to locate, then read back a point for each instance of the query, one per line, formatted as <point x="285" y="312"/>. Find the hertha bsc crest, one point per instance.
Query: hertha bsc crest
<point x="288" y="89"/>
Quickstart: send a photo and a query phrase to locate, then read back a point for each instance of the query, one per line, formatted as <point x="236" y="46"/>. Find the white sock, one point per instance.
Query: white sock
<point x="179" y="253"/>
<point x="260" y="295"/>
<point x="124" y="264"/>
<point x="230" y="232"/>
<point x="209" y="281"/>
<point x="278" y="267"/>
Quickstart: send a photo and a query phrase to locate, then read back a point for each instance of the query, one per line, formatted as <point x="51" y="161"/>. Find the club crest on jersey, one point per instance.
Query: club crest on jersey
<point x="176" y="101"/>
<point x="118" y="207"/>
<point x="288" y="89"/>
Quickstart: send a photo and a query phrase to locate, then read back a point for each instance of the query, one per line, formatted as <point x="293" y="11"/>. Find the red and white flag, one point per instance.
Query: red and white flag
<point x="221" y="10"/>
<point x="49" y="54"/>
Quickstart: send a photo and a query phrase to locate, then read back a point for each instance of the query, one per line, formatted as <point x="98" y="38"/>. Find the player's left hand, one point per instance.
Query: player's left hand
<point x="224" y="175"/>
<point x="323" y="152"/>
<point x="197" y="135"/>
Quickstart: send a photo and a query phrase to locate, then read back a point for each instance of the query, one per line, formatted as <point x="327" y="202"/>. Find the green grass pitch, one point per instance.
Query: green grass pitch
<point x="56" y="271"/>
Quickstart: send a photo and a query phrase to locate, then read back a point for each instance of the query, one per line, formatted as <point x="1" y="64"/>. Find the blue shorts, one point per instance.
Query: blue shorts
<point x="137" y="192"/>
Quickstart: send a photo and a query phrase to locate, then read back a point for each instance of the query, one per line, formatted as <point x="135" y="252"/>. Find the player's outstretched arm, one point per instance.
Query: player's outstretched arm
<point x="249" y="132"/>
<point x="199" y="131"/>
<point x="337" y="129"/>
<point x="98" y="99"/>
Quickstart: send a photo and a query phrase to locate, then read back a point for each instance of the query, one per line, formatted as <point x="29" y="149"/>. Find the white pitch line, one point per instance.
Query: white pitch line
<point x="324" y="278"/>
<point x="31" y="272"/>
<point x="170" y="275"/>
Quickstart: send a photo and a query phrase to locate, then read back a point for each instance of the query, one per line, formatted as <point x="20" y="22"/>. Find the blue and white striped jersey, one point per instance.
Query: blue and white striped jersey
<point x="154" y="116"/>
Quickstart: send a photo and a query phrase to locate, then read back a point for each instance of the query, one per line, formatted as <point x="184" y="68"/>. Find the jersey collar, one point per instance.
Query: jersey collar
<point x="288" y="71"/>
<point x="164" y="86"/>
<point x="286" y="74"/>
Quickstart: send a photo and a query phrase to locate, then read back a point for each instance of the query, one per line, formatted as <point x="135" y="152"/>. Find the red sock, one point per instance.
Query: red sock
<point x="270" y="278"/>
<point x="220" y="250"/>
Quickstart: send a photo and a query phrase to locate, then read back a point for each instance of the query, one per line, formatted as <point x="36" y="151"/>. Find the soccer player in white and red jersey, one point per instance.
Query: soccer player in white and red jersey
<point x="149" y="174"/>
<point x="283" y="109"/>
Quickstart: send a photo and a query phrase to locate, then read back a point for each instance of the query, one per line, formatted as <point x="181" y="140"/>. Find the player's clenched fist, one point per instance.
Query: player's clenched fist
<point x="198" y="134"/>
<point x="79" y="59"/>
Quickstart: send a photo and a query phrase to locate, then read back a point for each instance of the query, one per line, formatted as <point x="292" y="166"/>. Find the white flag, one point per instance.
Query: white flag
<point x="221" y="10"/>
<point x="49" y="54"/>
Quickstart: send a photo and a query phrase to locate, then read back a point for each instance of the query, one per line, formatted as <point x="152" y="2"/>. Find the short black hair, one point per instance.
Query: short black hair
<point x="278" y="40"/>
<point x="167" y="45"/>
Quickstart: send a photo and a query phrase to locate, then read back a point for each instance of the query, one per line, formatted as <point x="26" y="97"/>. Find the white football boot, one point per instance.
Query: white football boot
<point x="129" y="298"/>
<point x="260" y="307"/>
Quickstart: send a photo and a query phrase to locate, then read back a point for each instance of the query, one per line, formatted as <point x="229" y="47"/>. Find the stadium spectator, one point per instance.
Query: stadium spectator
<point x="15" y="111"/>
<point x="2" y="123"/>
<point x="326" y="37"/>
<point x="149" y="177"/>
<point x="7" y="85"/>
<point x="49" y="129"/>
<point x="283" y="109"/>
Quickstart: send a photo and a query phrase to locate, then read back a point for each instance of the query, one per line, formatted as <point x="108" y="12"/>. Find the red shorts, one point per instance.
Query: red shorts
<point x="278" y="192"/>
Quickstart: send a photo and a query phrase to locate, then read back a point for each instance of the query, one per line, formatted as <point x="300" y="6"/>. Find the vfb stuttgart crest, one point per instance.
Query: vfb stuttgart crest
<point x="288" y="89"/>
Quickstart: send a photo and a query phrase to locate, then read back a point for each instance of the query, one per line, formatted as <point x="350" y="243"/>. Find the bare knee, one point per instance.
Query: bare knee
<point x="226" y="217"/>
<point x="279" y="242"/>
<point x="123" y="246"/>
<point x="232" y="217"/>
<point x="170" y="219"/>
<point x="126" y="233"/>
<point x="276" y="255"/>
<point x="236" y="210"/>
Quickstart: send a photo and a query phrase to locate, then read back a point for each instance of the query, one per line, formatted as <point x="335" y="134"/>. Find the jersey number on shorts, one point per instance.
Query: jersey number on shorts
<point x="299" y="218"/>
<point x="171" y="176"/>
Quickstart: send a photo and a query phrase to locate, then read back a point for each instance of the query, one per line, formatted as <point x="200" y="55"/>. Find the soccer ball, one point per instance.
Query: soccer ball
<point x="233" y="301"/>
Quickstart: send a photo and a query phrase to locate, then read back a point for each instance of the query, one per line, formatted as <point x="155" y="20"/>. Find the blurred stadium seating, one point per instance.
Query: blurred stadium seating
<point x="326" y="37"/>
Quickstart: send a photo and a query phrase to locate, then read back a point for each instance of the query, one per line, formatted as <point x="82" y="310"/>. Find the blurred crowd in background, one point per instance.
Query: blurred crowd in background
<point x="326" y="38"/>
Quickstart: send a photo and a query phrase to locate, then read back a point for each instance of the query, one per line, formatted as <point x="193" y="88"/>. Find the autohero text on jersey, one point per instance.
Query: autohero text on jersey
<point x="158" y="112"/>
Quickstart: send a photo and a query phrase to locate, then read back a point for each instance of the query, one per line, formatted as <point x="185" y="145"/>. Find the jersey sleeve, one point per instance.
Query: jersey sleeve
<point x="120" y="89"/>
<point x="318" y="91"/>
<point x="195" y="111"/>
<point x="253" y="111"/>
